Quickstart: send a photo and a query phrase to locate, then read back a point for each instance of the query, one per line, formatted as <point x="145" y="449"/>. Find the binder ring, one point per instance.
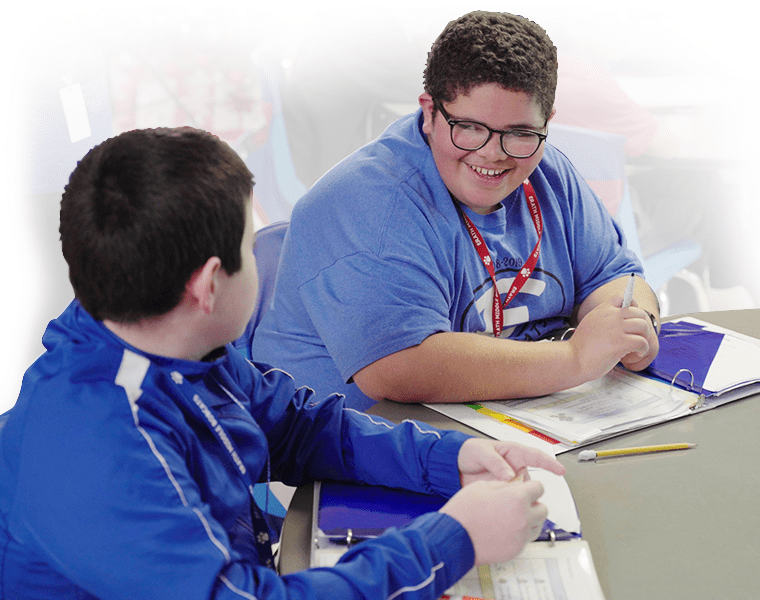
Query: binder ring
<point x="675" y="377"/>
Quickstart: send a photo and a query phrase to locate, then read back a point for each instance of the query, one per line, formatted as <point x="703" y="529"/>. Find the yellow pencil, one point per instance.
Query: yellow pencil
<point x="592" y="454"/>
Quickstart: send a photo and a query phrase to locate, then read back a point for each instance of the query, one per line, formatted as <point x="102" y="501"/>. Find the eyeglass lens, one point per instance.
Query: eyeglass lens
<point x="472" y="136"/>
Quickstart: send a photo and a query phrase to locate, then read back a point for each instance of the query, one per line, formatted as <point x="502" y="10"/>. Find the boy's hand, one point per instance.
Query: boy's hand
<point x="609" y="334"/>
<point x="499" y="516"/>
<point x="635" y="361"/>
<point x="491" y="460"/>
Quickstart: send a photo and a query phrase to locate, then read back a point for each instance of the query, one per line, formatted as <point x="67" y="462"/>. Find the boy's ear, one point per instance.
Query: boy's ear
<point x="203" y="286"/>
<point x="426" y="102"/>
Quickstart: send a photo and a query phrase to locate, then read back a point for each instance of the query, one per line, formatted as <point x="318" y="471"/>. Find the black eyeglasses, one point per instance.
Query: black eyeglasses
<point x="471" y="135"/>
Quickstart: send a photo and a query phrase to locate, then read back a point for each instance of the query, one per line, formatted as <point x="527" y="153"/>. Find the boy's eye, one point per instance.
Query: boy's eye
<point x="468" y="126"/>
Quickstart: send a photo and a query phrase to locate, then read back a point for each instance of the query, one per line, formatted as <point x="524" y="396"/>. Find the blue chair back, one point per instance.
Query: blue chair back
<point x="599" y="157"/>
<point x="266" y="249"/>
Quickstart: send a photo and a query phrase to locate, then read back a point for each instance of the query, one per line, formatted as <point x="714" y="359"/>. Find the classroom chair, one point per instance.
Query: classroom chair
<point x="600" y="159"/>
<point x="266" y="249"/>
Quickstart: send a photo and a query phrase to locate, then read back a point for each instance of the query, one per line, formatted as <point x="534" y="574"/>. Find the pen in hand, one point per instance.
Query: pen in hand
<point x="628" y="296"/>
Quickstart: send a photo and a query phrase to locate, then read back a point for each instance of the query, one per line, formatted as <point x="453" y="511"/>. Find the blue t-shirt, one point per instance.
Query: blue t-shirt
<point x="377" y="259"/>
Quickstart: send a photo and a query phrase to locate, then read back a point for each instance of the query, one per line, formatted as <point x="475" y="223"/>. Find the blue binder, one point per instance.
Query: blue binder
<point x="688" y="350"/>
<point x="350" y="512"/>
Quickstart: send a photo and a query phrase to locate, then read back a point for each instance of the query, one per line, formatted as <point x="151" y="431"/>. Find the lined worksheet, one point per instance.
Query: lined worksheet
<point x="563" y="571"/>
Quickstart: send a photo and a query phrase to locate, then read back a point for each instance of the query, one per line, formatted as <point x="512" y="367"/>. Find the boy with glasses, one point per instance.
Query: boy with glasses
<point x="425" y="265"/>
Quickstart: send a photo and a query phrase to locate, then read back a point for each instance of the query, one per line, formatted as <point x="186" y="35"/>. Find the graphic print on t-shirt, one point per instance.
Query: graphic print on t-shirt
<point x="542" y="297"/>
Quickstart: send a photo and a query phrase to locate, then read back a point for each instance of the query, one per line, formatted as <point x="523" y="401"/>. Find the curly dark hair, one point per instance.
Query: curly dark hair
<point x="492" y="47"/>
<point x="143" y="211"/>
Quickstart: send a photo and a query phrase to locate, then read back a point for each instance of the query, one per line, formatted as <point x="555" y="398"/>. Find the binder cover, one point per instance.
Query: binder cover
<point x="368" y="511"/>
<point x="687" y="351"/>
<point x="349" y="512"/>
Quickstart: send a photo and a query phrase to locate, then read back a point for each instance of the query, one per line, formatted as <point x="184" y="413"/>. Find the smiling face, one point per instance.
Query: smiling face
<point x="481" y="179"/>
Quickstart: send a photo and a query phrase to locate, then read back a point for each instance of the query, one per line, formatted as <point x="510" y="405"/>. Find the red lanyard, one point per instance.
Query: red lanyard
<point x="527" y="269"/>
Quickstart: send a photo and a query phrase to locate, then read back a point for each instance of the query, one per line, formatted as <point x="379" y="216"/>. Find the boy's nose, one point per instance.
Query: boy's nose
<point x="493" y="150"/>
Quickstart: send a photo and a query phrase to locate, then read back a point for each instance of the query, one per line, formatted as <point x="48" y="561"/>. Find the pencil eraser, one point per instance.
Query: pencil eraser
<point x="587" y="455"/>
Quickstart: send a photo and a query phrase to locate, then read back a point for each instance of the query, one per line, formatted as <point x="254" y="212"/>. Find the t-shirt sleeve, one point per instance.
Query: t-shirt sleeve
<point x="374" y="302"/>
<point x="380" y="276"/>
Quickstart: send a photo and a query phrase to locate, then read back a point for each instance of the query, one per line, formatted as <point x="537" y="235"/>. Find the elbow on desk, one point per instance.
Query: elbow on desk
<point x="379" y="389"/>
<point x="390" y="379"/>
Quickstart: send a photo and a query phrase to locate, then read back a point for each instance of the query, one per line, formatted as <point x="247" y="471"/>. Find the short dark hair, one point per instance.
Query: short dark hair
<point x="492" y="47"/>
<point x="143" y="211"/>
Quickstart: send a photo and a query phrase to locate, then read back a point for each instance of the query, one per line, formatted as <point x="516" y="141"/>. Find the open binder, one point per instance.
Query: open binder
<point x="556" y="566"/>
<point x="700" y="366"/>
<point x="718" y="364"/>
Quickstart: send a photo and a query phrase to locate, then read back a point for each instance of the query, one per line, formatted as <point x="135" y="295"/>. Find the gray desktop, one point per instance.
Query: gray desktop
<point x="673" y="526"/>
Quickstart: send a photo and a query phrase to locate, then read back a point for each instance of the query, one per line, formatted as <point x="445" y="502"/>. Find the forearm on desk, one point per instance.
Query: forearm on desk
<point x="469" y="367"/>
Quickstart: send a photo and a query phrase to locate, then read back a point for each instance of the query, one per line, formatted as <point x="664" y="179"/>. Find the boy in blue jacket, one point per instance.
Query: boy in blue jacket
<point x="127" y="465"/>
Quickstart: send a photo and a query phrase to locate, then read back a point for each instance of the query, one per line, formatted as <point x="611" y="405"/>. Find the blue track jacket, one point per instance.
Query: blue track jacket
<point x="114" y="484"/>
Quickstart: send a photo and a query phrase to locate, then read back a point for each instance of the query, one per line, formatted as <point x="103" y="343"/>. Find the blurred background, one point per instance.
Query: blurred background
<point x="294" y="88"/>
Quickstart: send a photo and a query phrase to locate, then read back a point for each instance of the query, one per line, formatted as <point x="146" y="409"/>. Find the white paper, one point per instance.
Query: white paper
<point x="564" y="571"/>
<point x="496" y="429"/>
<point x="618" y="401"/>
<point x="737" y="361"/>
<point x="75" y="111"/>
<point x="558" y="499"/>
